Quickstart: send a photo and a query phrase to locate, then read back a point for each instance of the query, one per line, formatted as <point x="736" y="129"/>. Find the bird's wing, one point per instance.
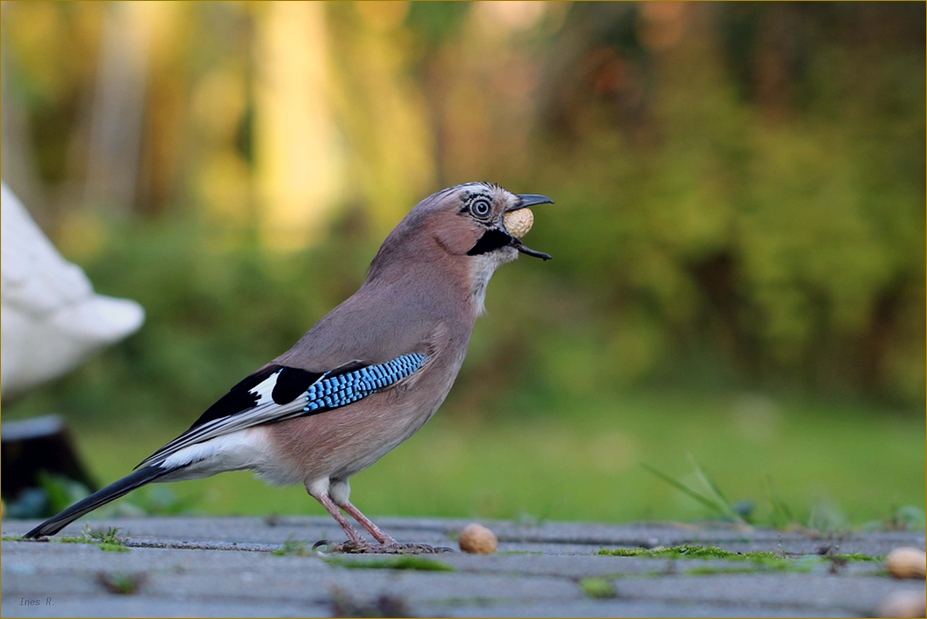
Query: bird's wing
<point x="276" y="393"/>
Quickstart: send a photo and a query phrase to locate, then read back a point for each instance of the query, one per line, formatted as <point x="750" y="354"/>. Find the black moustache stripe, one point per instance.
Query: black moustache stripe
<point x="490" y="241"/>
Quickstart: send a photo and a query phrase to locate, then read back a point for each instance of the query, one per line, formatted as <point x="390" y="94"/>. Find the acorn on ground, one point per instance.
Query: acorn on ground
<point x="903" y="604"/>
<point x="477" y="539"/>
<point x="907" y="562"/>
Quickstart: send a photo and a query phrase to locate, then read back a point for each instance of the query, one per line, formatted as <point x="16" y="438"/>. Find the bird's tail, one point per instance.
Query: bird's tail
<point x="110" y="493"/>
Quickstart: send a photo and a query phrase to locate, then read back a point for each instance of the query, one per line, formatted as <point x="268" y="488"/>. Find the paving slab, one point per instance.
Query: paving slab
<point x="211" y="567"/>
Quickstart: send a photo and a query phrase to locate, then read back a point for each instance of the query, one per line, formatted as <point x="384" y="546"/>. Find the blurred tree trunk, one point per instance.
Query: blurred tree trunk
<point x="297" y="161"/>
<point x="166" y="115"/>
<point x="18" y="169"/>
<point x="119" y="105"/>
<point x="380" y="109"/>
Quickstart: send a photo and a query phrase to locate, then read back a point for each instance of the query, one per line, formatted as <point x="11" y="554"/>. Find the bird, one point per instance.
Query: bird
<point x="366" y="377"/>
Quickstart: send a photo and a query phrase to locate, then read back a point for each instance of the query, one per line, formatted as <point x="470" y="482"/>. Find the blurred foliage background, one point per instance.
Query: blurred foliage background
<point x="739" y="234"/>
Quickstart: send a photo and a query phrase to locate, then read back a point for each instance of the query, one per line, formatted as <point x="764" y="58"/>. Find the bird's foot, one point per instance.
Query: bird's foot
<point x="415" y="549"/>
<point x="388" y="549"/>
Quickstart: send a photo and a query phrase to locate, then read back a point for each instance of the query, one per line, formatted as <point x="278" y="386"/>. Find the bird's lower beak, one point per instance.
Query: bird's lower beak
<point x="517" y="244"/>
<point x="526" y="200"/>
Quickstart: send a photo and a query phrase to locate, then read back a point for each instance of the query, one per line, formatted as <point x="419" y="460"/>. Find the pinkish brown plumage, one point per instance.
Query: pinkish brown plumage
<point x="365" y="377"/>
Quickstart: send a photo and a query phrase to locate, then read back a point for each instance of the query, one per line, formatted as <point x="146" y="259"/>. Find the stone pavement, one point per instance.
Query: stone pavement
<point x="226" y="567"/>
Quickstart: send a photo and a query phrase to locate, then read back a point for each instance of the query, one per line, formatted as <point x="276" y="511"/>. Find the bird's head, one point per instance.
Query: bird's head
<point x="476" y="220"/>
<point x="476" y="226"/>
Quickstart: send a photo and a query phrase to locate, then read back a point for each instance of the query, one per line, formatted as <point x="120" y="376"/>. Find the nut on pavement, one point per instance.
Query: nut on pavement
<point x="903" y="604"/>
<point x="477" y="539"/>
<point x="519" y="222"/>
<point x="907" y="562"/>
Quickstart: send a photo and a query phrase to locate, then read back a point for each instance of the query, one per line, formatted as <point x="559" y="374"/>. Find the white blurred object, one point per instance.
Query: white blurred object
<point x="51" y="318"/>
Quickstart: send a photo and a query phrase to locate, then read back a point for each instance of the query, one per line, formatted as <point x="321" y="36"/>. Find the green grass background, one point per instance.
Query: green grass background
<point x="837" y="463"/>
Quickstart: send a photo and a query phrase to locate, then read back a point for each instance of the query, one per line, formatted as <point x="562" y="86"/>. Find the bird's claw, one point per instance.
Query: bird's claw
<point x="395" y="548"/>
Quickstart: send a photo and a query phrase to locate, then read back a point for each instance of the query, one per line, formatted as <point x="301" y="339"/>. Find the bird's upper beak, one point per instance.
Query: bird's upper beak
<point x="526" y="200"/>
<point x="529" y="199"/>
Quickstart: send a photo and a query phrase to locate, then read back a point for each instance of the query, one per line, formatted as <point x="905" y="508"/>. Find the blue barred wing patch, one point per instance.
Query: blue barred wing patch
<point x="336" y="391"/>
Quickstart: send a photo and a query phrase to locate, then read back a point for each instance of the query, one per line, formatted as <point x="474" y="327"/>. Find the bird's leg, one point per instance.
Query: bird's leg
<point x="353" y="534"/>
<point x="337" y="493"/>
<point x="355" y="513"/>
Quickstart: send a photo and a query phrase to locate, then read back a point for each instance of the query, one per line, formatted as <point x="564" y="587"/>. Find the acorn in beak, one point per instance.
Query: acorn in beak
<point x="519" y="219"/>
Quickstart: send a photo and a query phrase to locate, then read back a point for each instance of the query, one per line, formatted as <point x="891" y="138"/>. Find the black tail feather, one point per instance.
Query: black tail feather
<point x="109" y="493"/>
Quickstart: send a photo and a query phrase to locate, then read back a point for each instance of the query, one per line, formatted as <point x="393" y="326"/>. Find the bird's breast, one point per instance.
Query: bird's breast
<point x="340" y="442"/>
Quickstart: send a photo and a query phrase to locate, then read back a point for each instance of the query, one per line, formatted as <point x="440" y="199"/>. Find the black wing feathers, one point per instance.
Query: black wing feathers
<point x="239" y="398"/>
<point x="291" y="382"/>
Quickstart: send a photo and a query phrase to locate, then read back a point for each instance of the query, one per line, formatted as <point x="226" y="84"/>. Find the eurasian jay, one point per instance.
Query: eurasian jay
<point x="362" y="380"/>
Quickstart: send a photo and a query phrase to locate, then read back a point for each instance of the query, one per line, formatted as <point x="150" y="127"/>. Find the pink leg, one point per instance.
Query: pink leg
<point x="381" y="537"/>
<point x="356" y="538"/>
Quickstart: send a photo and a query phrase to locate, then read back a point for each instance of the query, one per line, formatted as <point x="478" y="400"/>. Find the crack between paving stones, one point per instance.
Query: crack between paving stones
<point x="184" y="545"/>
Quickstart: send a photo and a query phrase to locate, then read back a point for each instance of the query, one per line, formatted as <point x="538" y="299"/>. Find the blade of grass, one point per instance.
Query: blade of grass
<point x="684" y="488"/>
<point x="727" y="508"/>
<point x="778" y="505"/>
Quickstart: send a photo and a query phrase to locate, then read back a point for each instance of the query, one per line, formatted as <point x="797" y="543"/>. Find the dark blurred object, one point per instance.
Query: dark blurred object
<point x="35" y="446"/>
<point x="345" y="605"/>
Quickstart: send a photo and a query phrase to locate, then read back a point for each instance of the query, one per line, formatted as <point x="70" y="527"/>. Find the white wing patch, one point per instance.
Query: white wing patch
<point x="264" y="390"/>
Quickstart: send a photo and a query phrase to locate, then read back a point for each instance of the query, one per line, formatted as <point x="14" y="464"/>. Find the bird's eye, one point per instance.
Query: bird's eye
<point x="480" y="207"/>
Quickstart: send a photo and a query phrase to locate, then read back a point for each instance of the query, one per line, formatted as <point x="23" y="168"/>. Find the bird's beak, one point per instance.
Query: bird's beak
<point x="517" y="244"/>
<point x="529" y="199"/>
<point x="526" y="200"/>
